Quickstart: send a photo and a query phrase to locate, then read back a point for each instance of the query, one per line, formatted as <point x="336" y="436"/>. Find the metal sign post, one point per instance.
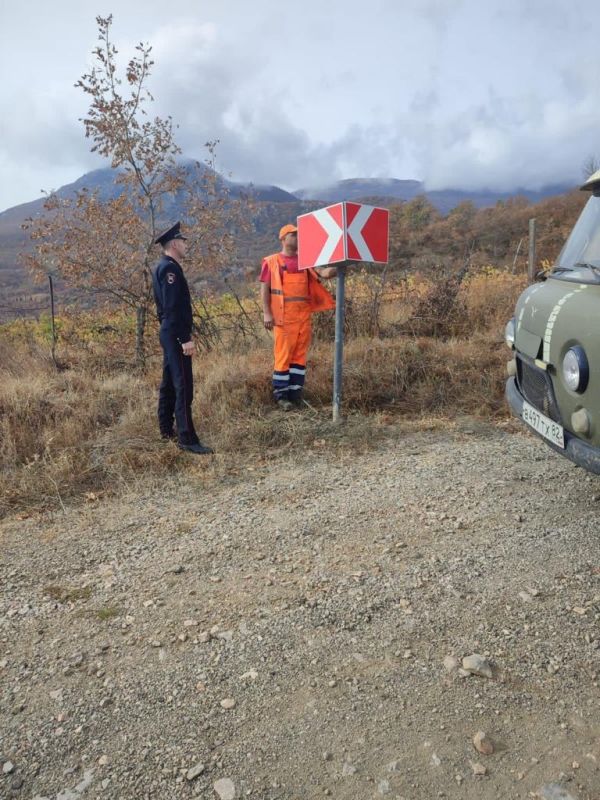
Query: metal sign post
<point x="341" y="235"/>
<point x="340" y="292"/>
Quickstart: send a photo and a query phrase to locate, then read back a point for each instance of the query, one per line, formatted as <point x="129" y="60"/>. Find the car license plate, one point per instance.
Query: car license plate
<point x="543" y="425"/>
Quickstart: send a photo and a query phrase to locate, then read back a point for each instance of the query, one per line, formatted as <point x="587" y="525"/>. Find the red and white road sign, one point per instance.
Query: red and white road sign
<point x="343" y="232"/>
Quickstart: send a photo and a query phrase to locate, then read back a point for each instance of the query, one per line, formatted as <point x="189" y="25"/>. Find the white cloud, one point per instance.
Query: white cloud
<point x="457" y="92"/>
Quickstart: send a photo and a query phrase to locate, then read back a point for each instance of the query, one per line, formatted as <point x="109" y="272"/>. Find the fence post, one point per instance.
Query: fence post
<point x="52" y="321"/>
<point x="531" y="270"/>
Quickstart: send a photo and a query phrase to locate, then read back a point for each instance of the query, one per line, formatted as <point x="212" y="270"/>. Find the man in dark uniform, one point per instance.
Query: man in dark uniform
<point x="174" y="308"/>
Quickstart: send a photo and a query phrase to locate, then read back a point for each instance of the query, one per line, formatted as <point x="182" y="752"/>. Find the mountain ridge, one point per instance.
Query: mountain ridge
<point x="104" y="181"/>
<point x="405" y="190"/>
<point x="273" y="207"/>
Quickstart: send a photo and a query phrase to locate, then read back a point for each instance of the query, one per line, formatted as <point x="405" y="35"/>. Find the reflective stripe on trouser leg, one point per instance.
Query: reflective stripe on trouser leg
<point x="298" y="356"/>
<point x="290" y="345"/>
<point x="281" y="382"/>
<point x="297" y="373"/>
<point x="281" y="370"/>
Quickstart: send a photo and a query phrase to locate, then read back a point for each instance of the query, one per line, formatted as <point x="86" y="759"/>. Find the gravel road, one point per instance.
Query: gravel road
<point x="298" y="631"/>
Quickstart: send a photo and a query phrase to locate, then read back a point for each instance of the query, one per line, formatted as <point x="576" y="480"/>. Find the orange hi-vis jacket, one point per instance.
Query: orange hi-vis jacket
<point x="319" y="298"/>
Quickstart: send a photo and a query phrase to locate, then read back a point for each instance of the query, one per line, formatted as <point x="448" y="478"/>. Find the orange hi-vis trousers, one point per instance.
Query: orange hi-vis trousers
<point x="292" y="339"/>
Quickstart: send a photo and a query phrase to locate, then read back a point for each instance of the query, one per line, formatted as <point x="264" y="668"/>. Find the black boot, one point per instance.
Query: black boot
<point x="198" y="448"/>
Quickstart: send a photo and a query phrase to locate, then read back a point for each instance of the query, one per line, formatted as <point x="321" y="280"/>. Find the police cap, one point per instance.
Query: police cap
<point x="174" y="232"/>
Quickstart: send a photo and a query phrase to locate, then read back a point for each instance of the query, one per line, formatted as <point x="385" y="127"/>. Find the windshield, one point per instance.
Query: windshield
<point x="581" y="253"/>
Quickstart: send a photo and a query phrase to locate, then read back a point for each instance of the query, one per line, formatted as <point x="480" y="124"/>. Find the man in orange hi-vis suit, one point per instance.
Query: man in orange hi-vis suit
<point x="289" y="297"/>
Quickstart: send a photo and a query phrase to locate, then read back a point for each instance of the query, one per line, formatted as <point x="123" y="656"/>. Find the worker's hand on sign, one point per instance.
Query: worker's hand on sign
<point x="188" y="348"/>
<point x="326" y="272"/>
<point x="268" y="322"/>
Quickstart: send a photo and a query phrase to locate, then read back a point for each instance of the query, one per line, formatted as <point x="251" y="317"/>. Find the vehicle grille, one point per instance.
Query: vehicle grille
<point x="536" y="387"/>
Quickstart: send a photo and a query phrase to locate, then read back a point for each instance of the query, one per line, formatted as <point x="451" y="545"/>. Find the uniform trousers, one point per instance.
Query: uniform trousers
<point x="176" y="391"/>
<point x="290" y="344"/>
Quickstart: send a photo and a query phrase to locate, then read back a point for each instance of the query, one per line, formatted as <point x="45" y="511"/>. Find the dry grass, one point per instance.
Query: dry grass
<point x="92" y="428"/>
<point x="488" y="298"/>
<point x="483" y="301"/>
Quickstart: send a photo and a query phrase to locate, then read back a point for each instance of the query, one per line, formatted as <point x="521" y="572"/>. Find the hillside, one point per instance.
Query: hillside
<point x="272" y="207"/>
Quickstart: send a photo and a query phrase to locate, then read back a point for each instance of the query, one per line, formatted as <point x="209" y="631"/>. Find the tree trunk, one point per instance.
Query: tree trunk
<point x="140" y="329"/>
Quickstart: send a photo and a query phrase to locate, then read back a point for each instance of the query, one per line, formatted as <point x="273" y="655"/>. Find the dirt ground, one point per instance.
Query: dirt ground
<point x="297" y="631"/>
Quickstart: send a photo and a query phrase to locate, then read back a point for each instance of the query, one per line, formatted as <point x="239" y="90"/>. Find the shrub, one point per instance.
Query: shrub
<point x="91" y="427"/>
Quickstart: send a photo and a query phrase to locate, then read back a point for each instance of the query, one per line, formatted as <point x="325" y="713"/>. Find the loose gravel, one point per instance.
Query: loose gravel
<point x="419" y="621"/>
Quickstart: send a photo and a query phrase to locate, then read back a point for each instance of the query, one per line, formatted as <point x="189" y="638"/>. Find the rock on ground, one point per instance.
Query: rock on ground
<point x="332" y="566"/>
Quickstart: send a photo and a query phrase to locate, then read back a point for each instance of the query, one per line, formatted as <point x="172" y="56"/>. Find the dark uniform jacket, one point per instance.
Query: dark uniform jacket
<point x="172" y="296"/>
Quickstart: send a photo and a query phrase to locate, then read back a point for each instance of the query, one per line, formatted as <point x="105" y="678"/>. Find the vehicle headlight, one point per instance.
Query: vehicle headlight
<point x="575" y="369"/>
<point x="509" y="333"/>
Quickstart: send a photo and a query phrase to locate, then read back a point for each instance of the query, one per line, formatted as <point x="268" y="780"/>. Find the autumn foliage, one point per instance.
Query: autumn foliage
<point x="424" y="333"/>
<point x="90" y="427"/>
<point x="105" y="247"/>
<point x="423" y="239"/>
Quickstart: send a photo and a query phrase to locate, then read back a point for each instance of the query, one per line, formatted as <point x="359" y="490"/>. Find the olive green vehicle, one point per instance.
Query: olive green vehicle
<point x="554" y="376"/>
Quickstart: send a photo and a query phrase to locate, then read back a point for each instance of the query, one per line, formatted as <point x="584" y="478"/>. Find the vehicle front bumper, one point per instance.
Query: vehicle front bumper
<point x="581" y="453"/>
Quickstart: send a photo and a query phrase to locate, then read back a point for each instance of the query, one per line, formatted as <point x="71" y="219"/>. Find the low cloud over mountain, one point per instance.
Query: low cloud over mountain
<point x="457" y="94"/>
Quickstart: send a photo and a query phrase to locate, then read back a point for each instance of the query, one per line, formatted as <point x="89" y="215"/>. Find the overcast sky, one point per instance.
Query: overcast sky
<point x="458" y="93"/>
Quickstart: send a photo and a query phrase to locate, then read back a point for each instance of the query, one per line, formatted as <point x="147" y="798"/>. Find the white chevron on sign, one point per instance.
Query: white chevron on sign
<point x="355" y="232"/>
<point x="334" y="232"/>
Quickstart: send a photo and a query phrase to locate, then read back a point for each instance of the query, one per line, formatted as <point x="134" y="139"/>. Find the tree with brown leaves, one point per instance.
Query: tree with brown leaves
<point x="106" y="247"/>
